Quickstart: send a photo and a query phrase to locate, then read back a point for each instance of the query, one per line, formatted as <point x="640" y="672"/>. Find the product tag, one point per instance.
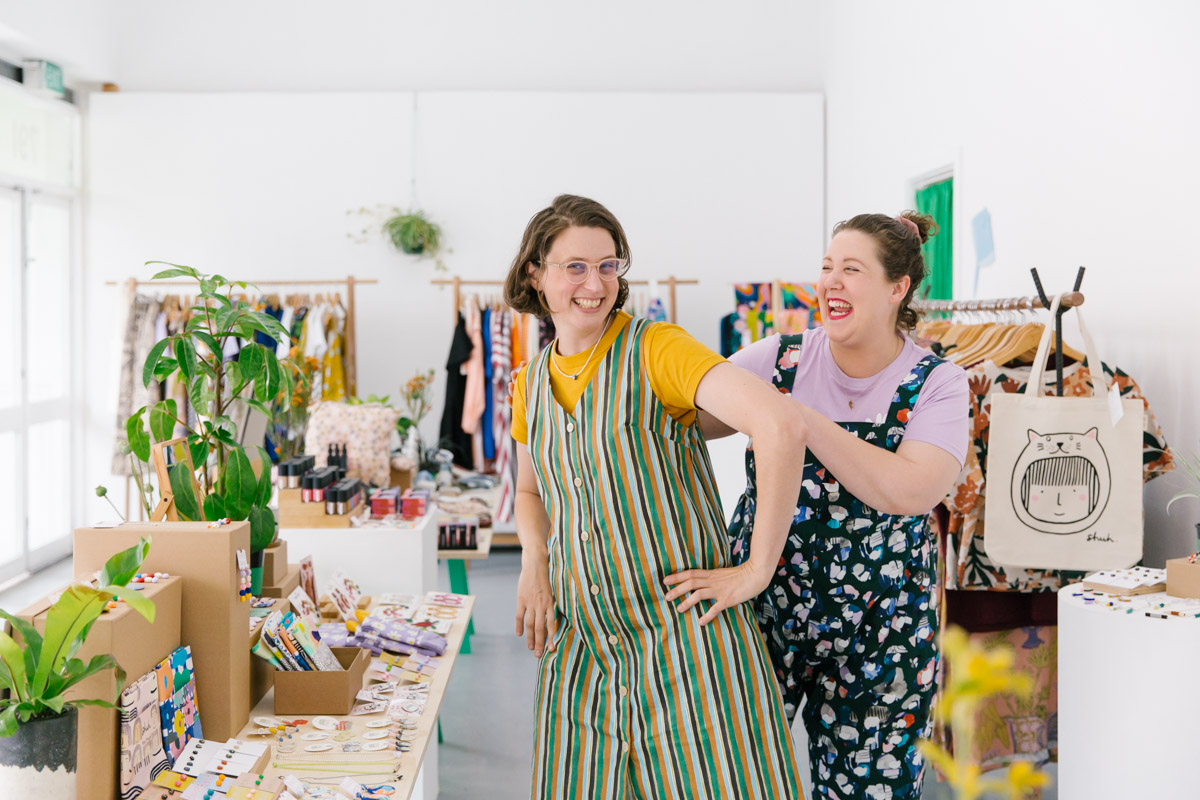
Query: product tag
<point x="1115" y="409"/>
<point x="352" y="786"/>
<point x="293" y="785"/>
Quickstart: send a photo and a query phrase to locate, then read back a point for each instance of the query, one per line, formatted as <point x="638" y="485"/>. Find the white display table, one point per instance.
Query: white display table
<point x="379" y="559"/>
<point x="1128" y="706"/>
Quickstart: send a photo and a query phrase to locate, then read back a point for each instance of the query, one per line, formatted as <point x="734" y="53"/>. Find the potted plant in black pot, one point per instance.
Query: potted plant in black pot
<point x="223" y="469"/>
<point x="38" y="723"/>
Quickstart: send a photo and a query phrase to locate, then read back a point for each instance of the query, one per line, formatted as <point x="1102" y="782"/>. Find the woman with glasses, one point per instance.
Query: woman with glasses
<point x="850" y="617"/>
<point x="614" y="493"/>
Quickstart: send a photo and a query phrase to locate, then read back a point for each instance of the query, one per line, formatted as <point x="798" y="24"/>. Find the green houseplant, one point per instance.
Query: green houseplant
<point x="411" y="232"/>
<point x="38" y="724"/>
<point x="195" y="356"/>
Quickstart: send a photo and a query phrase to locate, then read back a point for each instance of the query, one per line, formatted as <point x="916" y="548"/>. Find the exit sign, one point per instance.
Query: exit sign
<point x="44" y="76"/>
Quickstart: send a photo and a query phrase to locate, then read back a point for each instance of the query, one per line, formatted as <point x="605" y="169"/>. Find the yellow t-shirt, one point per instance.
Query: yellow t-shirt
<point x="674" y="362"/>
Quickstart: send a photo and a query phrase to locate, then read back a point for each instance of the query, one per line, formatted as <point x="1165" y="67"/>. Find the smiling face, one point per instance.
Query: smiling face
<point x="579" y="310"/>
<point x="858" y="303"/>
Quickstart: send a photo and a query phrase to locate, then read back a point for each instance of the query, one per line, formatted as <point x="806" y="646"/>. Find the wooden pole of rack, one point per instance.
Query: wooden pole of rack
<point x="351" y="366"/>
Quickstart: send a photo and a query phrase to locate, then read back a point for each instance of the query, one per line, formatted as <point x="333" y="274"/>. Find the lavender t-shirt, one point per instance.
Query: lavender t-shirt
<point x="939" y="417"/>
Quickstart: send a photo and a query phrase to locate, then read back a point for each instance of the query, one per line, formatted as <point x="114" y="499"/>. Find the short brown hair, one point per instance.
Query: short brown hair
<point x="567" y="211"/>
<point x="899" y="249"/>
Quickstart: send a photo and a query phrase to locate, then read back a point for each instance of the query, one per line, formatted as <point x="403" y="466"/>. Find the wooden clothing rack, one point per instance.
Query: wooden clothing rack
<point x="670" y="282"/>
<point x="350" y="282"/>
<point x="1042" y="300"/>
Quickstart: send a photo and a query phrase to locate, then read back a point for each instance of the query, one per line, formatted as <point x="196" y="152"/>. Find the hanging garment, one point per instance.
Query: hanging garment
<point x="284" y="348"/>
<point x="546" y="332"/>
<point x="850" y="617"/>
<point x="633" y="698"/>
<point x="968" y="565"/>
<point x="487" y="426"/>
<point x="333" y="373"/>
<point x="451" y="436"/>
<point x="138" y="341"/>
<point x="501" y="366"/>
<point x="473" y="401"/>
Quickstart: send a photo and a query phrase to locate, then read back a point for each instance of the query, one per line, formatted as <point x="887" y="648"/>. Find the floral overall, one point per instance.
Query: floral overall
<point x="850" y="617"/>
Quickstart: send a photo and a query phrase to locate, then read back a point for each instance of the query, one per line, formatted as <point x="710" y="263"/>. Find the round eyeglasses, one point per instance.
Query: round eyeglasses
<point x="577" y="271"/>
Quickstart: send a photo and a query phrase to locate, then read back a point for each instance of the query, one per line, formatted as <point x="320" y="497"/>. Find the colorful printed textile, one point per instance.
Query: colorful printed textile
<point x="142" y="756"/>
<point x="178" y="709"/>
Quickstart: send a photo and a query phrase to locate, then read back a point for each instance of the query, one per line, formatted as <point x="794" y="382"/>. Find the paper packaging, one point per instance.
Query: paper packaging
<point x="138" y="646"/>
<point x="1183" y="579"/>
<point x="275" y="566"/>
<point x="214" y="622"/>
<point x="316" y="692"/>
<point x="285" y="587"/>
<point x="262" y="674"/>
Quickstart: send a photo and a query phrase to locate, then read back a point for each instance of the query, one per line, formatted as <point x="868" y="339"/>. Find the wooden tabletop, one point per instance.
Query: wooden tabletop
<point x="409" y="763"/>
<point x="483" y="541"/>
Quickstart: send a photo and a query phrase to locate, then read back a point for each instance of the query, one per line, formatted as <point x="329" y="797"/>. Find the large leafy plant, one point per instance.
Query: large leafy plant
<point x="195" y="357"/>
<point x="38" y="672"/>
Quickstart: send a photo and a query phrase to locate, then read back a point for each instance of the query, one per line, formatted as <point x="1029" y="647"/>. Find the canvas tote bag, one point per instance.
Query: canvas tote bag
<point x="1064" y="480"/>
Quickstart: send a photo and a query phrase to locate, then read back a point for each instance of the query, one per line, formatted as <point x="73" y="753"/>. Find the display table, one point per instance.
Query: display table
<point x="1128" y="709"/>
<point x="377" y="558"/>
<point x="456" y="563"/>
<point x="419" y="765"/>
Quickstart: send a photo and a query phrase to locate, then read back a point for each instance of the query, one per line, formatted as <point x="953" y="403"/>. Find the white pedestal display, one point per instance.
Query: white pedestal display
<point x="1128" y="709"/>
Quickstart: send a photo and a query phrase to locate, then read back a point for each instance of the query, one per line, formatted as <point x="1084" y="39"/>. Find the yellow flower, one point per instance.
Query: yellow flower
<point x="1023" y="778"/>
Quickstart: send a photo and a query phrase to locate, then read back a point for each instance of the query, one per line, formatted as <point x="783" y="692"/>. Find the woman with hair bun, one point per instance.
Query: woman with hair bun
<point x="850" y="616"/>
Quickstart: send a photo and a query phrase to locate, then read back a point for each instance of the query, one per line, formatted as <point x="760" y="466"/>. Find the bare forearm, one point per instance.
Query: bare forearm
<point x="533" y="526"/>
<point x="779" y="464"/>
<point x="882" y="479"/>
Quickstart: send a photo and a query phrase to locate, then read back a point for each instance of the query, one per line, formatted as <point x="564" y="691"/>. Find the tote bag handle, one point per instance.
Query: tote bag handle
<point x="1095" y="368"/>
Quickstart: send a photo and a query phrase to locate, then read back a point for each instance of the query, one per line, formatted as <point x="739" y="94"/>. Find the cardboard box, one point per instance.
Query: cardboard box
<point x="138" y="646"/>
<point x="317" y="692"/>
<point x="283" y="589"/>
<point x="214" y="622"/>
<point x="1183" y="579"/>
<point x="402" y="478"/>
<point x="275" y="564"/>
<point x="262" y="674"/>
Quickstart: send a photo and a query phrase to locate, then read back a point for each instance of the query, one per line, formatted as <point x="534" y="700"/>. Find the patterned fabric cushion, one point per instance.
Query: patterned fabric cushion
<point x="366" y="430"/>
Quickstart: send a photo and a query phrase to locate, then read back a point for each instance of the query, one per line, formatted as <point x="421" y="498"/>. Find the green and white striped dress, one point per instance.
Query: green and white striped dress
<point x="634" y="699"/>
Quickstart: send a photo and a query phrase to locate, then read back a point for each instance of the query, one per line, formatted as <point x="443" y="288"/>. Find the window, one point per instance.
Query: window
<point x="38" y="218"/>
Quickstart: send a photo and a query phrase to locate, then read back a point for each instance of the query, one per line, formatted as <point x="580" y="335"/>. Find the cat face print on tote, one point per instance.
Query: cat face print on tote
<point x="1061" y="481"/>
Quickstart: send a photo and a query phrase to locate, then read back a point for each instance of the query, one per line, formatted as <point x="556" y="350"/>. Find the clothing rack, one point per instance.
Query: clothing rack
<point x="671" y="282"/>
<point x="1069" y="300"/>
<point x="350" y="356"/>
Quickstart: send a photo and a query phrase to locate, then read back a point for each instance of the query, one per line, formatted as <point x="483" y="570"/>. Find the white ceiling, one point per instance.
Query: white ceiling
<point x="316" y="45"/>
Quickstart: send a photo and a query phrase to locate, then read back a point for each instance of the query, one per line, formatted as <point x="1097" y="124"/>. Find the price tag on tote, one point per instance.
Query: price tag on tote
<point x="1115" y="409"/>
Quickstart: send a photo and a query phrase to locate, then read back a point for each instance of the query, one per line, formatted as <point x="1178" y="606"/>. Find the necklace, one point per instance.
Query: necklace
<point x="575" y="377"/>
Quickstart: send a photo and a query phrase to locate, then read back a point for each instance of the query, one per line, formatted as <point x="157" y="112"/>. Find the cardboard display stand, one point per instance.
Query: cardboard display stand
<point x="284" y="587"/>
<point x="275" y="566"/>
<point x="138" y="646"/>
<point x="213" y="621"/>
<point x="1183" y="578"/>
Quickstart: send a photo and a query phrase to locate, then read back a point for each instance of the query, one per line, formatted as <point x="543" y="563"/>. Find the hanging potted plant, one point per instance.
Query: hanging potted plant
<point x="38" y="724"/>
<point x="223" y="470"/>
<point x="411" y="232"/>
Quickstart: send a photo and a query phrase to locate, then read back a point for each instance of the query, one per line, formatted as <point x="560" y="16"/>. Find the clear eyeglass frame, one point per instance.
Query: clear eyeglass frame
<point x="577" y="271"/>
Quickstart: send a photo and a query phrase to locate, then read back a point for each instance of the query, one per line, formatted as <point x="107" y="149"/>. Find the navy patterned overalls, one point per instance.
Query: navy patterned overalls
<point x="850" y="617"/>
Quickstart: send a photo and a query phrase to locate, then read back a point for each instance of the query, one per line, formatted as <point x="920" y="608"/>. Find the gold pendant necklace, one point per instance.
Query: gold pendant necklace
<point x="575" y="377"/>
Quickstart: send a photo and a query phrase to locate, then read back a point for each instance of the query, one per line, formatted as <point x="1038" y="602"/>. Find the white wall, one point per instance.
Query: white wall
<point x="256" y="186"/>
<point x="1075" y="125"/>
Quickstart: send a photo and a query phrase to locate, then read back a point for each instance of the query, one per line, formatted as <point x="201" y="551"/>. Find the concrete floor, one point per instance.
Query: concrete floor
<point x="487" y="716"/>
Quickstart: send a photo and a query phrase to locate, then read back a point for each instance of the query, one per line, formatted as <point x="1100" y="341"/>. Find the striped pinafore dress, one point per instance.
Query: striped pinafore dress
<point x="635" y="700"/>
